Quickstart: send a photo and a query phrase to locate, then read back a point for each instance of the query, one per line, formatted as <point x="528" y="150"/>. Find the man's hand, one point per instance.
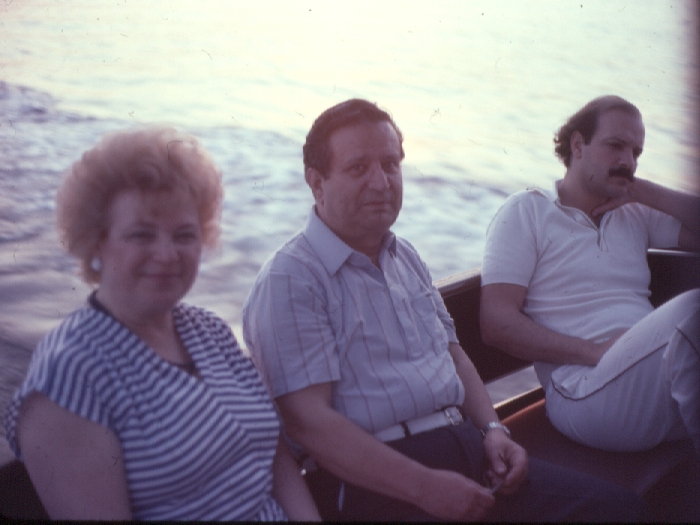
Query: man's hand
<point x="599" y="349"/>
<point x="611" y="204"/>
<point x="508" y="461"/>
<point x="682" y="206"/>
<point x="350" y="453"/>
<point x="449" y="495"/>
<point x="630" y="193"/>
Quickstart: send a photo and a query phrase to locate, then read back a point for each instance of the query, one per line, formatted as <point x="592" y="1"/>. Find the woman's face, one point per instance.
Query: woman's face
<point x="151" y="253"/>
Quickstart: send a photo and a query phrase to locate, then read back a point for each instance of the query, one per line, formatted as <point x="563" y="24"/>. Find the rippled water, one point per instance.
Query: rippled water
<point x="478" y="88"/>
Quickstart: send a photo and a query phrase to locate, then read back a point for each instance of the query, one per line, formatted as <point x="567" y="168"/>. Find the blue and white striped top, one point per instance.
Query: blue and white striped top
<point x="194" y="449"/>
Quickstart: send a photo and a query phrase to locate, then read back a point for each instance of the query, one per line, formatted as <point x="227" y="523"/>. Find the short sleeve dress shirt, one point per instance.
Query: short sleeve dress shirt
<point x="321" y="312"/>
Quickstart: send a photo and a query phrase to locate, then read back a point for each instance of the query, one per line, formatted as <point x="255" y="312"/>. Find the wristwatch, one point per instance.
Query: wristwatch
<point x="492" y="425"/>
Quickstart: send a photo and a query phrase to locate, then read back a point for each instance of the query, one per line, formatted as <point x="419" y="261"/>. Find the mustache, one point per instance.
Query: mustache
<point x="622" y="171"/>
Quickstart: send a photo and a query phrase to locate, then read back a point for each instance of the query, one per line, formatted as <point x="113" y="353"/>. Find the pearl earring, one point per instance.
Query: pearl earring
<point x="96" y="264"/>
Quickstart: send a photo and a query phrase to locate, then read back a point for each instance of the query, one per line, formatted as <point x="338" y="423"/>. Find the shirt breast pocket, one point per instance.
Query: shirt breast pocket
<point x="424" y="306"/>
<point x="429" y="328"/>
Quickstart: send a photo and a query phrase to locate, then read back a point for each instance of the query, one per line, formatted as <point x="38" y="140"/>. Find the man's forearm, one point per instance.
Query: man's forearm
<point x="506" y="459"/>
<point x="504" y="326"/>
<point x="477" y="402"/>
<point x="524" y="338"/>
<point x="346" y="450"/>
<point x="682" y="206"/>
<point x="357" y="457"/>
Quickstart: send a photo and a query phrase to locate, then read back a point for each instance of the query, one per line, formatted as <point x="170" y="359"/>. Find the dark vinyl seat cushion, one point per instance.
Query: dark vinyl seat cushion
<point x="636" y="471"/>
<point x="18" y="499"/>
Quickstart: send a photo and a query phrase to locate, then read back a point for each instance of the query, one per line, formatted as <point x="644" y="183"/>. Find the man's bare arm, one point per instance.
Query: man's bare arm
<point x="504" y="326"/>
<point x="508" y="459"/>
<point x="357" y="457"/>
<point x="477" y="403"/>
<point x="682" y="206"/>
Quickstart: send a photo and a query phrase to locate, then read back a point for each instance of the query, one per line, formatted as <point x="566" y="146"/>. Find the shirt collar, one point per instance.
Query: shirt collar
<point x="550" y="194"/>
<point x="574" y="213"/>
<point x="332" y="251"/>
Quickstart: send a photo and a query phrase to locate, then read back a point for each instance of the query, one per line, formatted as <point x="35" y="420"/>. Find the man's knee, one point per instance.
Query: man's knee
<point x="554" y="493"/>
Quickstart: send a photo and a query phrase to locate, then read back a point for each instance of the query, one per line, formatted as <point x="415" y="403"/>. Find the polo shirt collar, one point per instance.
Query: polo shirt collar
<point x="576" y="214"/>
<point x="330" y="249"/>
<point x="550" y="194"/>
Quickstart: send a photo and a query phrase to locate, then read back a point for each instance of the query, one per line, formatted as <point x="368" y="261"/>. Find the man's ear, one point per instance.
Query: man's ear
<point x="576" y="143"/>
<point x="314" y="179"/>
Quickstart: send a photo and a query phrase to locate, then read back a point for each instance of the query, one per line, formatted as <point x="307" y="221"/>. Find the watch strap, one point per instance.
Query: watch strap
<point x="492" y="425"/>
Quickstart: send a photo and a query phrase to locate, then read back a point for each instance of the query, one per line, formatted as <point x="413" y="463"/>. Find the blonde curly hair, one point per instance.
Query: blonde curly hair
<point x="155" y="158"/>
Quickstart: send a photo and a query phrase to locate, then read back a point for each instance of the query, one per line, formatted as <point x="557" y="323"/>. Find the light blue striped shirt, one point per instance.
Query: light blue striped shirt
<point x="321" y="312"/>
<point x="193" y="449"/>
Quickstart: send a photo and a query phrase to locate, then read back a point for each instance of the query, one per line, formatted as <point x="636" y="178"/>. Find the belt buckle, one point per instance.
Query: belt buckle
<point x="453" y="419"/>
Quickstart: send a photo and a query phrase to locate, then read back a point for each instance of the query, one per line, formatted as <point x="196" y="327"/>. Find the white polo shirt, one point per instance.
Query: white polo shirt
<point x="582" y="280"/>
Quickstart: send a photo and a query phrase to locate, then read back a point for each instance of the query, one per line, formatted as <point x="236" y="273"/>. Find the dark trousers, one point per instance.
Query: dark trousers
<point x="551" y="493"/>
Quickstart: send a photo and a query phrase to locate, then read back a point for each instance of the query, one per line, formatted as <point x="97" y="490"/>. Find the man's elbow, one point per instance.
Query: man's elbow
<point x="496" y="323"/>
<point x="490" y="328"/>
<point x="304" y="412"/>
<point x="500" y="313"/>
<point x="294" y="429"/>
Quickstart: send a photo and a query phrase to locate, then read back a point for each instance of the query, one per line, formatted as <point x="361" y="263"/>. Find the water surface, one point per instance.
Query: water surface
<point x="478" y="89"/>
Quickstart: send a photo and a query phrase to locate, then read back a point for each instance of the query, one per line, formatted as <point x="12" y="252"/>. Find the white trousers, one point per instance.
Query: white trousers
<point x="644" y="390"/>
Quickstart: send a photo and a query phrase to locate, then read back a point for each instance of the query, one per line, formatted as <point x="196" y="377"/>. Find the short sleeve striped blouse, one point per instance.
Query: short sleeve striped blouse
<point x="194" y="449"/>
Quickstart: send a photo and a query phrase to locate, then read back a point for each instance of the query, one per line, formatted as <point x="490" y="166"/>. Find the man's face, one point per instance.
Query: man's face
<point x="609" y="162"/>
<point x="362" y="195"/>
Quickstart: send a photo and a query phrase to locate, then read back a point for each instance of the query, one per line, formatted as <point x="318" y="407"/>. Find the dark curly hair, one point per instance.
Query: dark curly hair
<point x="585" y="121"/>
<point x="317" y="150"/>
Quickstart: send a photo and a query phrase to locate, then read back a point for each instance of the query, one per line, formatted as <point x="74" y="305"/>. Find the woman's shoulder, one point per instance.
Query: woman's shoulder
<point x="198" y="324"/>
<point x="202" y="329"/>
<point x="72" y="337"/>
<point x="201" y="317"/>
<point x="69" y="369"/>
<point x="84" y="349"/>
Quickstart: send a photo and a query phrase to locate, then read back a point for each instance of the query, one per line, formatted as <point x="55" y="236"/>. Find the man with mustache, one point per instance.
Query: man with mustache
<point x="565" y="283"/>
<point x="359" y="353"/>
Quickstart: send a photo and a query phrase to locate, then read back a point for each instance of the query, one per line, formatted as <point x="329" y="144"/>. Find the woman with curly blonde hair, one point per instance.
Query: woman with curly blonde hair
<point x="138" y="406"/>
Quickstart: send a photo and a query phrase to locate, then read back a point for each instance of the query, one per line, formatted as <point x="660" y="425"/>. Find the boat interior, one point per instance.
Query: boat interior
<point x="667" y="477"/>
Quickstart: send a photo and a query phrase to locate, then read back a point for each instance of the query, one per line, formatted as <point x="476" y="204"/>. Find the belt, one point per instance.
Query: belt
<point x="442" y="418"/>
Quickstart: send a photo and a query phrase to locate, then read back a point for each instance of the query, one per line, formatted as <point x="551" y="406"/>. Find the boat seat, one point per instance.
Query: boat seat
<point x="636" y="471"/>
<point x="667" y="476"/>
<point x="18" y="499"/>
